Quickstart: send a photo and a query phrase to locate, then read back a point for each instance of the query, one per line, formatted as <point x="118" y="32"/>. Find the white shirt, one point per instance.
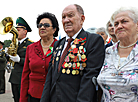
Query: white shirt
<point x="67" y="37"/>
<point x="22" y="40"/>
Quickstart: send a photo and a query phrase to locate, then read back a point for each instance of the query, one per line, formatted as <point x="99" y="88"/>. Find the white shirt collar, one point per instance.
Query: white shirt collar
<point x="22" y="40"/>
<point x="74" y="35"/>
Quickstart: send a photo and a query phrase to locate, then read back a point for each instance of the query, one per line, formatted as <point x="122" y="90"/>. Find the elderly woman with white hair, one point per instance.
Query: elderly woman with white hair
<point x="101" y="31"/>
<point x="119" y="75"/>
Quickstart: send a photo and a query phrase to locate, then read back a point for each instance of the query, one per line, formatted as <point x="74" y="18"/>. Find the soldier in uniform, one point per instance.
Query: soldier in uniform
<point x="16" y="73"/>
<point x="2" y="68"/>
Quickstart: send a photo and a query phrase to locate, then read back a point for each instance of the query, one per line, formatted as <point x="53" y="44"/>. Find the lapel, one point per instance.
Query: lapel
<point x="82" y="34"/>
<point x="57" y="56"/>
<point x="22" y="44"/>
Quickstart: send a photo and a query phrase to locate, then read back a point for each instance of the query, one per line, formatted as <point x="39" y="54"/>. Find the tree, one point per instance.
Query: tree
<point x="7" y="43"/>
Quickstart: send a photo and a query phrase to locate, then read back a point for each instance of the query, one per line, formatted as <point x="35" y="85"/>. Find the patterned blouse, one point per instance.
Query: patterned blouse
<point x="119" y="76"/>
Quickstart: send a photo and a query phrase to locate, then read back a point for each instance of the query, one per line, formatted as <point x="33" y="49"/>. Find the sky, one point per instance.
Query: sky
<point x="97" y="12"/>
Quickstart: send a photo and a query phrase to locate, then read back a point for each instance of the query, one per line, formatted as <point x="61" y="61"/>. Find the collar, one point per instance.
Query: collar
<point x="22" y="40"/>
<point x="74" y="35"/>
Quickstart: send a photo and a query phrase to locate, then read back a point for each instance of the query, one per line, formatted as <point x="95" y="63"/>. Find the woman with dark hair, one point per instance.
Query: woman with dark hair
<point x="37" y="59"/>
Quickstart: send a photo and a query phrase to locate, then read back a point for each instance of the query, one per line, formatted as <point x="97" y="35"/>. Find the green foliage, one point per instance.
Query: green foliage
<point x="7" y="43"/>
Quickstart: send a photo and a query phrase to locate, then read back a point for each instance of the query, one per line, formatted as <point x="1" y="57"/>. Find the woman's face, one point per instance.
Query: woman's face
<point x="110" y="29"/>
<point x="45" y="30"/>
<point x="124" y="26"/>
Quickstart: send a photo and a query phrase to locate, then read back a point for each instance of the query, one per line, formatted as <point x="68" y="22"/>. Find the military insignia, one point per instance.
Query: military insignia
<point x="59" y="52"/>
<point x="63" y="70"/>
<point x="73" y="72"/>
<point x="68" y="71"/>
<point x="24" y="47"/>
<point x="73" y="46"/>
<point x="57" y="58"/>
<point x="75" y="62"/>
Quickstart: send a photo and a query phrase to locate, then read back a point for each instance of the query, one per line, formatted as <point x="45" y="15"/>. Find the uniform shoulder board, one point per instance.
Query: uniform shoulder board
<point x="30" y="40"/>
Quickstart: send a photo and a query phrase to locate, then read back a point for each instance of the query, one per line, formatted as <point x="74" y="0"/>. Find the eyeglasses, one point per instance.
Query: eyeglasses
<point x="46" y="25"/>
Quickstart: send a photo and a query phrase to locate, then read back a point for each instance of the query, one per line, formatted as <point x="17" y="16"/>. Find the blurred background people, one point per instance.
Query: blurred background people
<point x="110" y="31"/>
<point x="2" y="68"/>
<point x="37" y="59"/>
<point x="101" y="31"/>
<point x="24" y="41"/>
<point x="119" y="75"/>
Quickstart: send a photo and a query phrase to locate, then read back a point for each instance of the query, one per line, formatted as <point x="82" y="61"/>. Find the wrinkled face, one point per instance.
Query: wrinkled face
<point x="72" y="20"/>
<point x="21" y="33"/>
<point x="110" y="29"/>
<point x="46" y="30"/>
<point x="104" y="36"/>
<point x="124" y="26"/>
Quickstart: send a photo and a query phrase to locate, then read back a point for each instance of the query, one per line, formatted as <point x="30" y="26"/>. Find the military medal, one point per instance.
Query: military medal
<point x="81" y="47"/>
<point x="58" y="54"/>
<point x="83" y="56"/>
<point x="77" y="72"/>
<point x="70" y="65"/>
<point x="83" y="65"/>
<point x="73" y="46"/>
<point x="73" y="72"/>
<point x="57" y="58"/>
<point x="66" y="65"/>
<point x="78" y="64"/>
<point x="63" y="70"/>
<point x="68" y="71"/>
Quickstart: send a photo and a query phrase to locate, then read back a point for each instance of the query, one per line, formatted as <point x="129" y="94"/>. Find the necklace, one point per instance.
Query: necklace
<point x="121" y="61"/>
<point x="127" y="46"/>
<point x="46" y="46"/>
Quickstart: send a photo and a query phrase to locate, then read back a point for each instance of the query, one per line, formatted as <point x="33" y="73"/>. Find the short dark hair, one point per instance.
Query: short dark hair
<point x="79" y="9"/>
<point x="53" y="19"/>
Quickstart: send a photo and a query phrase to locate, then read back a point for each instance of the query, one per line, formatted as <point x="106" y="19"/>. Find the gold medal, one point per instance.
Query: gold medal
<point x="66" y="64"/>
<point x="73" y="72"/>
<point x="77" y="72"/>
<point x="83" y="65"/>
<point x="81" y="47"/>
<point x="63" y="70"/>
<point x="57" y="58"/>
<point x="83" y="56"/>
<point x="68" y="71"/>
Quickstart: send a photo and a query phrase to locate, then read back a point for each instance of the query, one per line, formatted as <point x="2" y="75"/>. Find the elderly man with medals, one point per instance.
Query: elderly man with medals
<point x="76" y="59"/>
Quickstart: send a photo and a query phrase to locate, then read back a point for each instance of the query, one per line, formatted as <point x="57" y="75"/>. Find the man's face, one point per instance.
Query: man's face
<point x="21" y="33"/>
<point x="72" y="20"/>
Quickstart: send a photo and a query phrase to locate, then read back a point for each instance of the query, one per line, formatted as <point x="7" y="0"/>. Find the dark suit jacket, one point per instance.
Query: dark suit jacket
<point x="61" y="87"/>
<point x="16" y="73"/>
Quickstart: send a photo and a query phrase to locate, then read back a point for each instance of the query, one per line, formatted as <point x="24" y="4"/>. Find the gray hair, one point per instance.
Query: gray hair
<point x="101" y="29"/>
<point x="79" y="9"/>
<point x="133" y="14"/>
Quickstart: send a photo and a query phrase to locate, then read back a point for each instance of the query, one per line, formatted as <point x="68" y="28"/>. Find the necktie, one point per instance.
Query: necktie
<point x="64" y="53"/>
<point x="18" y="43"/>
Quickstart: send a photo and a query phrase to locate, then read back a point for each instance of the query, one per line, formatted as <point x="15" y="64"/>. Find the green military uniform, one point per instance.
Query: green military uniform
<point x="16" y="73"/>
<point x="2" y="69"/>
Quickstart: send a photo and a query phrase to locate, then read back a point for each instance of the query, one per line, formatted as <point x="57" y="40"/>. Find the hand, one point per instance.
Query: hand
<point x="6" y="50"/>
<point x="15" y="58"/>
